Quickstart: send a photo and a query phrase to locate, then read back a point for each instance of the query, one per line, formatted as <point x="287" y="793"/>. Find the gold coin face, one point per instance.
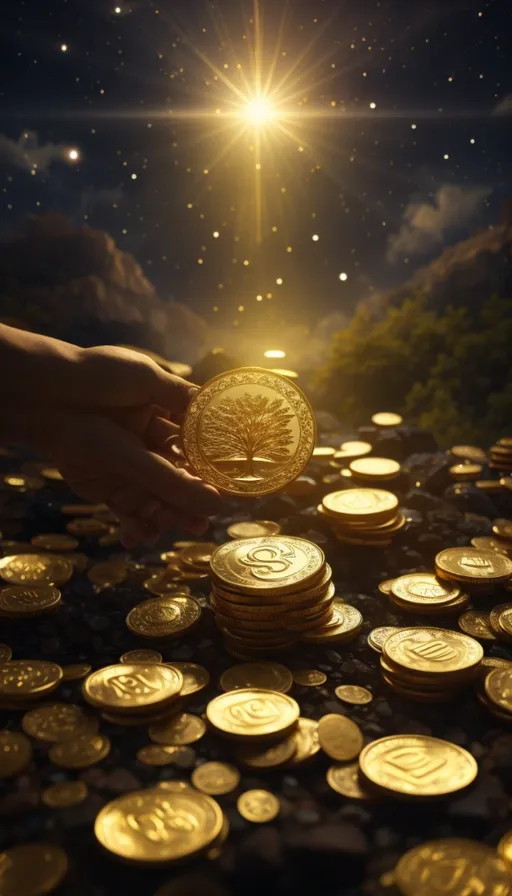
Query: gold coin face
<point x="64" y="794"/>
<point x="377" y="636"/>
<point x="158" y="755"/>
<point x="360" y="503"/>
<point x="375" y="468"/>
<point x="34" y="569"/>
<point x="452" y="866"/>
<point x="387" y="418"/>
<point x="195" y="677"/>
<point x="417" y="766"/>
<point x="32" y="869"/>
<point x="15" y="755"/>
<point x="142" y="655"/>
<point x="24" y="679"/>
<point x="54" y="541"/>
<point x="18" y="600"/>
<point x="160" y="585"/>
<point x="277" y="563"/>
<point x="253" y="529"/>
<point x="258" y="806"/>
<point x="215" y="778"/>
<point x="309" y="678"/>
<point x="249" y="431"/>
<point x="164" y="617"/>
<point x="423" y="588"/>
<point x="75" y="671"/>
<point x="353" y="693"/>
<point x="432" y="650"/>
<point x="81" y="751"/>
<point x="58" y="721"/>
<point x="265" y="674"/>
<point x="473" y="564"/>
<point x="5" y="653"/>
<point x="197" y="554"/>
<point x="340" y="737"/>
<point x="131" y="688"/>
<point x="477" y="624"/>
<point x="252" y="713"/>
<point x="181" y="729"/>
<point x="498" y="688"/>
<point x="346" y="779"/>
<point x="307" y="745"/>
<point x="158" y="826"/>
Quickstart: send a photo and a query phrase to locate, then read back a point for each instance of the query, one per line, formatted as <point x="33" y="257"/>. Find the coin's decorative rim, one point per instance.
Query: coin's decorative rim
<point x="315" y="557"/>
<point x="250" y="376"/>
<point x="126" y="669"/>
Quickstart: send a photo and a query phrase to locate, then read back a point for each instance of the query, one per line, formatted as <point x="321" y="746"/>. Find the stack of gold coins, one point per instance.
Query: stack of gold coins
<point x="374" y="470"/>
<point x="363" y="516"/>
<point x="429" y="664"/>
<point x="349" y="451"/>
<point x="423" y="592"/>
<point x="138" y="692"/>
<point x="494" y="692"/>
<point x="269" y="593"/>
<point x="501" y="455"/>
<point x="478" y="571"/>
<point x="500" y="622"/>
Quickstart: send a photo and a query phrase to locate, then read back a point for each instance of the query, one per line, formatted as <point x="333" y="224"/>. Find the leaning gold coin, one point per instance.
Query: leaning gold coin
<point x="428" y="869"/>
<point x="164" y="617"/>
<point x="215" y="778"/>
<point x="179" y="730"/>
<point x="353" y="693"/>
<point x="64" y="794"/>
<point x="340" y="737"/>
<point x="133" y="688"/>
<point x="253" y="529"/>
<point x="15" y="754"/>
<point x="54" y="541"/>
<point x="142" y="655"/>
<point x="477" y="624"/>
<point x="27" y="679"/>
<point x="498" y="689"/>
<point x="57" y="722"/>
<point x="306" y="742"/>
<point x="474" y="565"/>
<point x="264" y="674"/>
<point x="158" y="755"/>
<point x="18" y="601"/>
<point x="194" y="819"/>
<point x="195" y="677"/>
<point x="346" y="779"/>
<point x="75" y="671"/>
<point x="253" y="714"/>
<point x="249" y="431"/>
<point x="309" y="678"/>
<point x="32" y="869"/>
<point x="106" y="574"/>
<point x="258" y="806"/>
<point x="377" y="636"/>
<point x="391" y="764"/>
<point x="80" y="752"/>
<point x="35" y="569"/>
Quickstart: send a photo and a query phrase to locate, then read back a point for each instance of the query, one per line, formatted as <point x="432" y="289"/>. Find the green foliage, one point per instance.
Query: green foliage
<point x="447" y="372"/>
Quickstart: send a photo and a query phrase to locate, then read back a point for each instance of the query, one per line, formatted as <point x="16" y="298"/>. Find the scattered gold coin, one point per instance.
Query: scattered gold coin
<point x="85" y="526"/>
<point x="75" y="671"/>
<point x="181" y="729"/>
<point x="422" y="589"/>
<point x="346" y="779"/>
<point x="309" y="678"/>
<point x="158" y="755"/>
<point x="57" y="722"/>
<point x="498" y="688"/>
<point x="198" y="554"/>
<point x="133" y="688"/>
<point x="194" y="819"/>
<point x="164" y="617"/>
<point x="54" y="541"/>
<point x="18" y="601"/>
<point x="162" y="586"/>
<point x="470" y="564"/>
<point x="477" y="624"/>
<point x="23" y="482"/>
<point x="307" y="745"/>
<point x="215" y="778"/>
<point x="253" y="714"/>
<point x="15" y="755"/>
<point x="374" y="468"/>
<point x="35" y="569"/>
<point x="80" y="752"/>
<point x="256" y="756"/>
<point x="64" y="794"/>
<point x="385" y="586"/>
<point x="417" y="766"/>
<point x="377" y="636"/>
<point x="142" y="655"/>
<point x="264" y="674"/>
<point x="83" y="509"/>
<point x="32" y="869"/>
<point x="26" y="679"/>
<point x="5" y="653"/>
<point x="387" y="418"/>
<point x="340" y="737"/>
<point x="52" y="473"/>
<point x="195" y="677"/>
<point x="354" y="504"/>
<point x="470" y="453"/>
<point x="258" y="806"/>
<point x="455" y="866"/>
<point x="253" y="529"/>
<point x="352" y="693"/>
<point x="503" y="529"/>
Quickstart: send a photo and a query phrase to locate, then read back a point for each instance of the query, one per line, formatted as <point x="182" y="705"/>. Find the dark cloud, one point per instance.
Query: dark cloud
<point x="26" y="152"/>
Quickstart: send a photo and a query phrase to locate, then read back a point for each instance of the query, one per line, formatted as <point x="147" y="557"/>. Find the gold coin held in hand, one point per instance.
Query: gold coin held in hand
<point x="258" y="806"/>
<point x="216" y="778"/>
<point x="249" y="431"/>
<point x="32" y="869"/>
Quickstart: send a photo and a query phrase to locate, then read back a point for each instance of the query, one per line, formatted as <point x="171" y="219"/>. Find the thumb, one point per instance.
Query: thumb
<point x="171" y="392"/>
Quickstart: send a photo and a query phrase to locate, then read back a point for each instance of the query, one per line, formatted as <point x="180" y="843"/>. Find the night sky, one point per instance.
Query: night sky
<point x="390" y="138"/>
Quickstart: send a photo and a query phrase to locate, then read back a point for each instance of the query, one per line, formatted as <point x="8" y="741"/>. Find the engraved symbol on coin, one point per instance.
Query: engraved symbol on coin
<point x="159" y="825"/>
<point x="477" y="566"/>
<point x="434" y="650"/>
<point x="425" y="589"/>
<point x="129" y="685"/>
<point x="267" y="560"/>
<point x="413" y="763"/>
<point x="254" y="712"/>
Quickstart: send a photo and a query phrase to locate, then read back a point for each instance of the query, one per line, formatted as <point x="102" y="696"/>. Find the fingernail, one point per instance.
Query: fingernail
<point x="192" y="391"/>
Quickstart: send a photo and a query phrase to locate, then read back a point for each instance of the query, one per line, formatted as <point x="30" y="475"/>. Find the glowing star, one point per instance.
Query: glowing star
<point x="275" y="353"/>
<point x="343" y="276"/>
<point x="73" y="155"/>
<point x="258" y="111"/>
<point x="64" y="47"/>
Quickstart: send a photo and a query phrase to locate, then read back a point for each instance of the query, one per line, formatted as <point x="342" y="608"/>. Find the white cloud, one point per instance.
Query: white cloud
<point x="425" y="224"/>
<point x="25" y="152"/>
<point x="504" y="107"/>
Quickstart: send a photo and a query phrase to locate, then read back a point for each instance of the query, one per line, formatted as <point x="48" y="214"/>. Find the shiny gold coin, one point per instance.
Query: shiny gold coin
<point x="351" y="450"/>
<point x="23" y="482"/>
<point x="258" y="806"/>
<point x="58" y="721"/>
<point x="253" y="714"/>
<point x="133" y="688"/>
<point x="282" y="371"/>
<point x="215" y="778"/>
<point x="346" y="779"/>
<point x="164" y="617"/>
<point x="256" y="756"/>
<point x="503" y="529"/>
<point x="340" y="737"/>
<point x="387" y="418"/>
<point x="253" y="529"/>
<point x="377" y="636"/>
<point x="353" y="693"/>
<point x="473" y="565"/>
<point x="54" y="542"/>
<point x="385" y="586"/>
<point x="504" y="849"/>
<point x="27" y="679"/>
<point x="276" y="564"/>
<point x="141" y="655"/>
<point x="306" y="743"/>
<point x="323" y="452"/>
<point x="86" y="526"/>
<point x="368" y="504"/>
<point x="195" y="677"/>
<point x="161" y="585"/>
<point x="477" y="624"/>
<point x="5" y="653"/>
<point x="349" y="623"/>
<point x="32" y="869"/>
<point x="264" y="674"/>
<point x="492" y="543"/>
<point x="178" y="730"/>
<point x="417" y="766"/>
<point x="309" y="678"/>
<point x="158" y="755"/>
<point x="422" y="588"/>
<point x="199" y="554"/>
<point x="494" y="662"/>
<point x="500" y="621"/>
<point x="375" y="468"/>
<point x="465" y="472"/>
<point x="80" y="751"/>
<point x="249" y="431"/>
<point x="106" y="574"/>
<point x="433" y="651"/>
<point x="470" y="453"/>
<point x="15" y="755"/>
<point x="18" y="601"/>
<point x="498" y="689"/>
<point x="52" y="473"/>
<point x="75" y="671"/>
<point x="452" y="866"/>
<point x="506" y="482"/>
<point x="64" y="794"/>
<point x="35" y="569"/>
<point x="174" y="785"/>
<point x="126" y="826"/>
<point x="490" y="487"/>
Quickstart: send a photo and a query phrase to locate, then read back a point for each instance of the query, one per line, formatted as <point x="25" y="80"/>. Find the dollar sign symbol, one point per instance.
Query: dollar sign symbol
<point x="269" y="561"/>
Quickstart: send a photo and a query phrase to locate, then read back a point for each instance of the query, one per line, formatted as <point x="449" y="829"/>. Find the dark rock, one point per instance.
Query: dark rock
<point x="330" y="840"/>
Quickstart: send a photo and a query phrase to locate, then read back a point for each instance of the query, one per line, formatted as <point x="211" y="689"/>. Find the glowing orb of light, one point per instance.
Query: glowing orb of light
<point x="275" y="353"/>
<point x="73" y="154"/>
<point x="258" y="111"/>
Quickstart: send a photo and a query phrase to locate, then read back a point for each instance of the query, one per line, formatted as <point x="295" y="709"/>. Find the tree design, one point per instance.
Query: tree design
<point x="248" y="426"/>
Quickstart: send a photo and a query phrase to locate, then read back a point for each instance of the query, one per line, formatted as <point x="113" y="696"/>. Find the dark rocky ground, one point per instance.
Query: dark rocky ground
<point x="321" y="843"/>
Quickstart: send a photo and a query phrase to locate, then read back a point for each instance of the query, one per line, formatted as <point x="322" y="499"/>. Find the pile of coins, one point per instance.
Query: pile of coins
<point x="187" y="563"/>
<point x="478" y="571"/>
<point x="422" y="592"/>
<point x="501" y="455"/>
<point x="270" y="593"/>
<point x="430" y="664"/>
<point x="363" y="516"/>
